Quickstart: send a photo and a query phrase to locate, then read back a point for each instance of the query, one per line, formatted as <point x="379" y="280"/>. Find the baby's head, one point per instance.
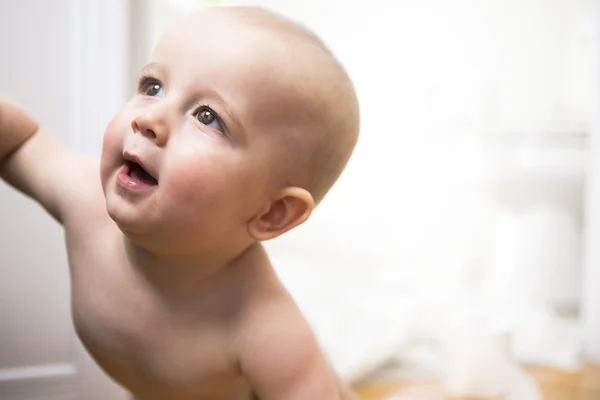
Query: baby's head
<point x="242" y="121"/>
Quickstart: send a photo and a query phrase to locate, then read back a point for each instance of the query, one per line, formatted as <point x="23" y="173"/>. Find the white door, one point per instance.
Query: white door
<point x="50" y="51"/>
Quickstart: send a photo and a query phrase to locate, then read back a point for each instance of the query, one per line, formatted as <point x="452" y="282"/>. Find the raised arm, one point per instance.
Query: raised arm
<point x="38" y="165"/>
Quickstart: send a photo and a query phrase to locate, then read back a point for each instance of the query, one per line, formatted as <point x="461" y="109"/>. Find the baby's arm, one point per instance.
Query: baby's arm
<point x="282" y="360"/>
<point x="35" y="163"/>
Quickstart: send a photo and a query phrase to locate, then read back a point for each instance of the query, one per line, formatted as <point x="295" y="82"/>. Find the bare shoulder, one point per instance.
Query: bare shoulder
<point x="280" y="356"/>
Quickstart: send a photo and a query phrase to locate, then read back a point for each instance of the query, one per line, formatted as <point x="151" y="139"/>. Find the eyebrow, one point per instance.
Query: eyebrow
<point x="153" y="68"/>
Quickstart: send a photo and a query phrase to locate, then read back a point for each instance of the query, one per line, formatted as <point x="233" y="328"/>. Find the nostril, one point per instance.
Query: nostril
<point x="139" y="128"/>
<point x="134" y="126"/>
<point x="149" y="133"/>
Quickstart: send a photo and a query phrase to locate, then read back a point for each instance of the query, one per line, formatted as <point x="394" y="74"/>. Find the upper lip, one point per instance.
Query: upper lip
<point x="133" y="158"/>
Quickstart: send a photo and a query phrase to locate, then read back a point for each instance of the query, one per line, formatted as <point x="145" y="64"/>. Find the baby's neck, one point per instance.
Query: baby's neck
<point x="186" y="275"/>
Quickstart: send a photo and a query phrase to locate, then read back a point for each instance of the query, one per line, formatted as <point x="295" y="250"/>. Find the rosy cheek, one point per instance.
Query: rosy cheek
<point x="198" y="180"/>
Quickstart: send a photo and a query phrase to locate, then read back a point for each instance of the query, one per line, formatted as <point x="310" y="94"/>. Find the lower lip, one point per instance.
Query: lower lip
<point x="124" y="180"/>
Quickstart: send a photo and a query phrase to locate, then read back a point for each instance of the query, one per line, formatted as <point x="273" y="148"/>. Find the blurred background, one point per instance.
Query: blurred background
<point x="471" y="201"/>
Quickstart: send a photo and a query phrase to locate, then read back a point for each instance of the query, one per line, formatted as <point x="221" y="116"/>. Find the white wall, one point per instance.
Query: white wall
<point x="591" y="286"/>
<point x="34" y="286"/>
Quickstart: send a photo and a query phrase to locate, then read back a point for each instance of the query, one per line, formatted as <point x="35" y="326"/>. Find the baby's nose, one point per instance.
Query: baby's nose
<point x="151" y="126"/>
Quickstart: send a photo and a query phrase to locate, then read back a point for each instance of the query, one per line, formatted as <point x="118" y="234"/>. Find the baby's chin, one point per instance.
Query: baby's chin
<point x="129" y="219"/>
<point x="142" y="237"/>
<point x="137" y="225"/>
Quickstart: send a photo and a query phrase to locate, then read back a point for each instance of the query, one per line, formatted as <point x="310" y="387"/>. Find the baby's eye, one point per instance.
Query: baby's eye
<point x="151" y="87"/>
<point x="207" y="117"/>
<point x="154" y="89"/>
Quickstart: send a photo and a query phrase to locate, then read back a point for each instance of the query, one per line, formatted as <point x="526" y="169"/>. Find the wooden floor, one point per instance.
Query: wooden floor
<point x="555" y="385"/>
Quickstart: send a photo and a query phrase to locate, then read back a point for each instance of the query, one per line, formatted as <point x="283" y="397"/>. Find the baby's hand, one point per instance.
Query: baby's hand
<point x="15" y="127"/>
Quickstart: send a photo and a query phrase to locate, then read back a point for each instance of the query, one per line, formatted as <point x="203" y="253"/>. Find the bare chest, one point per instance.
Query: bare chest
<point x="150" y="347"/>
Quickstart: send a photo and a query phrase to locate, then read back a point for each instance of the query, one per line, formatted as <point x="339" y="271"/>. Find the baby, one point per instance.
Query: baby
<point x="241" y="123"/>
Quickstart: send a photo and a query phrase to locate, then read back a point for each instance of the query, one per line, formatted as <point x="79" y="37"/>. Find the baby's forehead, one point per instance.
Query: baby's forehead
<point x="203" y="43"/>
<point x="215" y="27"/>
<point x="246" y="63"/>
<point x="224" y="28"/>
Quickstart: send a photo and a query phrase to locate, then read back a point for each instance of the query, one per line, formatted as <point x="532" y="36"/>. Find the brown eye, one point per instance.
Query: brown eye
<point x="207" y="117"/>
<point x="153" y="89"/>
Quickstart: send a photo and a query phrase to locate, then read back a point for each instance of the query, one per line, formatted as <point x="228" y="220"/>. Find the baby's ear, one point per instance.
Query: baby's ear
<point x="293" y="206"/>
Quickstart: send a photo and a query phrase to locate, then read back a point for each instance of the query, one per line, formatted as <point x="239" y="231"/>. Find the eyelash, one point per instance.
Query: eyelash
<point x="145" y="81"/>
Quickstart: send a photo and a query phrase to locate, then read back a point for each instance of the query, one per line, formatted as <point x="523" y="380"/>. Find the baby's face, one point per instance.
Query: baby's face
<point x="186" y="163"/>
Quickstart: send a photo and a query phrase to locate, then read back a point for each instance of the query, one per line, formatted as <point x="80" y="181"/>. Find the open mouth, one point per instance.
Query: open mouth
<point x="136" y="172"/>
<point x="134" y="176"/>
